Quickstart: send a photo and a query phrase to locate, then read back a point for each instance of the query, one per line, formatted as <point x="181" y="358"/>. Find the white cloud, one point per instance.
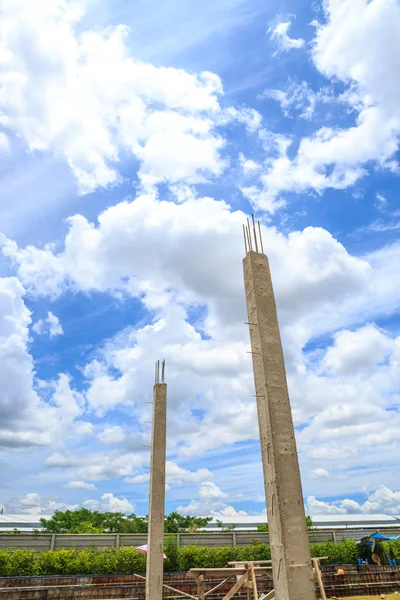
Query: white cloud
<point x="80" y="485"/>
<point x="175" y="476"/>
<point x="229" y="511"/>
<point x="112" y="435"/>
<point x="248" y="166"/>
<point x="382" y="501"/>
<point x="209" y="489"/>
<point x="279" y="35"/>
<point x="300" y="98"/>
<point x="80" y="93"/>
<point x="50" y="326"/>
<point x="358" y="351"/>
<point x="35" y="504"/>
<point x="319" y="287"/>
<point x="4" y="143"/>
<point x="351" y="46"/>
<point x="26" y="419"/>
<point x="99" y="467"/>
<point x="138" y="479"/>
<point x="210" y="502"/>
<point x="110" y="503"/>
<point x="318" y="473"/>
<point x="381" y="202"/>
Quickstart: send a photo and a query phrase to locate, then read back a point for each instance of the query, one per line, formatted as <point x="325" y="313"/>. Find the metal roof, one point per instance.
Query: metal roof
<point x="27" y="522"/>
<point x="21" y="522"/>
<point x="319" y="521"/>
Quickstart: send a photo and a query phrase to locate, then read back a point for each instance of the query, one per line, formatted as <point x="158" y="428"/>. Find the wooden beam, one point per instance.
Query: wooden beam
<point x="250" y="562"/>
<point x="254" y="580"/>
<point x="315" y="562"/>
<point x="221" y="583"/>
<point x="270" y="595"/>
<point x="168" y="587"/>
<point x="236" y="587"/>
<point x="200" y="587"/>
<point x="225" y="571"/>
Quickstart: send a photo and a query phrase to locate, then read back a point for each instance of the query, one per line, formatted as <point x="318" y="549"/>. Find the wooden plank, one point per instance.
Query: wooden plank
<point x="254" y="580"/>
<point x="315" y="562"/>
<point x="200" y="587"/>
<point x="236" y="587"/>
<point x="226" y="571"/>
<point x="221" y="583"/>
<point x="168" y="587"/>
<point x="269" y="596"/>
<point x="250" y="562"/>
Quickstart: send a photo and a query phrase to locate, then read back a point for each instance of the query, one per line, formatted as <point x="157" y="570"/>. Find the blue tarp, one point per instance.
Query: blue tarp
<point x="379" y="537"/>
<point x="383" y="538"/>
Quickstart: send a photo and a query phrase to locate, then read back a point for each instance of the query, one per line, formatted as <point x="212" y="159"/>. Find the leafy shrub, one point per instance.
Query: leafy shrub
<point x="171" y="550"/>
<point x="14" y="563"/>
<point x="345" y="552"/>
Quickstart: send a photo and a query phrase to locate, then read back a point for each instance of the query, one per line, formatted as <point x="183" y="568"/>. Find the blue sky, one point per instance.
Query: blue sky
<point x="134" y="141"/>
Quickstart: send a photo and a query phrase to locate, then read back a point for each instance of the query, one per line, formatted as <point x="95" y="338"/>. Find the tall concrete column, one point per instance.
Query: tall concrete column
<point x="290" y="552"/>
<point x="155" y="538"/>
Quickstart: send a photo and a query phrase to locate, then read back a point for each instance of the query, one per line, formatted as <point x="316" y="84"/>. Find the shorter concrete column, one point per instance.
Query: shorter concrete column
<point x="155" y="538"/>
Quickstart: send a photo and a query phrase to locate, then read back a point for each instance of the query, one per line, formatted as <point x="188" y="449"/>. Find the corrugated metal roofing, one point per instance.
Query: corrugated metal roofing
<point x="21" y="522"/>
<point x="26" y="522"/>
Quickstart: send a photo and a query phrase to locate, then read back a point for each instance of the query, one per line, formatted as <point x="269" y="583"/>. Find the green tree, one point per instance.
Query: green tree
<point x="226" y="528"/>
<point x="264" y="527"/>
<point x="84" y="520"/>
<point x="176" y="523"/>
<point x="309" y="522"/>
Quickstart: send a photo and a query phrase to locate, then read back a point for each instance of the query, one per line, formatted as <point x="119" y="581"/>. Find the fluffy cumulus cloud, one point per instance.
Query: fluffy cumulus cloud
<point x="175" y="251"/>
<point x="382" y="501"/>
<point x="35" y="504"/>
<point x="317" y="473"/>
<point x="26" y="419"/>
<point x="210" y="501"/>
<point x="175" y="476"/>
<point x="80" y="485"/>
<point x="351" y="44"/>
<point x="80" y="93"/>
<point x="320" y="288"/>
<point x="110" y="503"/>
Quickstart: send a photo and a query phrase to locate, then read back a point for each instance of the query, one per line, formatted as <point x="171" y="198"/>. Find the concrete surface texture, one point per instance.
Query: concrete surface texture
<point x="292" y="568"/>
<point x="154" y="568"/>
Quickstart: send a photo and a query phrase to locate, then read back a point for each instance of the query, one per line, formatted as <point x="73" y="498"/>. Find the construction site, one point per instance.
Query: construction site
<point x="291" y="573"/>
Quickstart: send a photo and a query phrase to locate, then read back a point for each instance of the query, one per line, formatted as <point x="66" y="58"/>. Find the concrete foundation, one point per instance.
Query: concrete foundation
<point x="155" y="566"/>
<point x="290" y="553"/>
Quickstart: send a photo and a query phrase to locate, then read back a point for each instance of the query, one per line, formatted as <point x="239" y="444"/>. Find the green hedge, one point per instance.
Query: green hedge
<point x="18" y="563"/>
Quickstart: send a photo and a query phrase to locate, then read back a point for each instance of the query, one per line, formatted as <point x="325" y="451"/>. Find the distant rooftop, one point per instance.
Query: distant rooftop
<point x="319" y="521"/>
<point x="26" y="522"/>
<point x="21" y="522"/>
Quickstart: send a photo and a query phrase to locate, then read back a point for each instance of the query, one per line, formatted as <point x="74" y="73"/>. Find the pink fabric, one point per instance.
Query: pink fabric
<point x="144" y="550"/>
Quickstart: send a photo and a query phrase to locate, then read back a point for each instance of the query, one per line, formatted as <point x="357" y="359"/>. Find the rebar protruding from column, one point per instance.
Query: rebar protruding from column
<point x="290" y="551"/>
<point x="252" y="236"/>
<point x="157" y="372"/>
<point x="155" y="538"/>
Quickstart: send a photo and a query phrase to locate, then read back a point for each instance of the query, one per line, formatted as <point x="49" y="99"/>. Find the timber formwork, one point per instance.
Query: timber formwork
<point x="357" y="580"/>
